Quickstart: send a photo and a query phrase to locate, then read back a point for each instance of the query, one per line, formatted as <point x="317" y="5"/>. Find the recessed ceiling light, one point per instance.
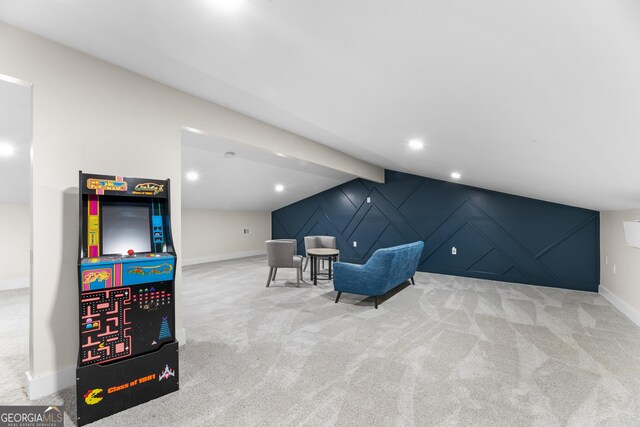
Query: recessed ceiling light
<point x="416" y="144"/>
<point x="6" y="149"/>
<point x="229" y="155"/>
<point x="193" y="176"/>
<point x="456" y="175"/>
<point x="279" y="188"/>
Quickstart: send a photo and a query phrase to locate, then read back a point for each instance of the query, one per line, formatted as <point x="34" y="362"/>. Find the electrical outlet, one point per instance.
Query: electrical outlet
<point x="355" y="244"/>
<point x="368" y="199"/>
<point x="454" y="251"/>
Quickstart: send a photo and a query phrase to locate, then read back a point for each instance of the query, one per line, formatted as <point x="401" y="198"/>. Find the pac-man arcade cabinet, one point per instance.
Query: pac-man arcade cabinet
<point x="128" y="353"/>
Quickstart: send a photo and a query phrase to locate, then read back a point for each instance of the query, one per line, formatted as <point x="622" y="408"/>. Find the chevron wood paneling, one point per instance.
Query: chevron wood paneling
<point x="498" y="236"/>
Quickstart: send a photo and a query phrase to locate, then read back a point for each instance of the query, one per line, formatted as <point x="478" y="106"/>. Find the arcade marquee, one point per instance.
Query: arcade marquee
<point x="128" y="352"/>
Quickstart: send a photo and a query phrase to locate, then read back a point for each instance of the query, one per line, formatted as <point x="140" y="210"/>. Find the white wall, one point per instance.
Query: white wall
<point x="209" y="235"/>
<point x="621" y="288"/>
<point x="15" y="230"/>
<point x="94" y="116"/>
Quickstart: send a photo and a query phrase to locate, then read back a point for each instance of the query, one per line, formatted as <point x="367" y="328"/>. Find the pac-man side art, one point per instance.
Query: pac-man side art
<point x="92" y="396"/>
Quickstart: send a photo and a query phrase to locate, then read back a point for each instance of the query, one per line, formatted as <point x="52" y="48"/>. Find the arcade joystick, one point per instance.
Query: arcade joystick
<point x="130" y="252"/>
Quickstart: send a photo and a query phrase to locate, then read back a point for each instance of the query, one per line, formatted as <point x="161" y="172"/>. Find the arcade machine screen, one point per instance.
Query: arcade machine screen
<point x="125" y="227"/>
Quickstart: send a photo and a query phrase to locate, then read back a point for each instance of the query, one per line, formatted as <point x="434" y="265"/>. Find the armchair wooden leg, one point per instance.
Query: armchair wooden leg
<point x="298" y="274"/>
<point x="338" y="297"/>
<point x="376" y="301"/>
<point x="306" y="262"/>
<point x="270" y="274"/>
<point x="413" y="282"/>
<point x="275" y="270"/>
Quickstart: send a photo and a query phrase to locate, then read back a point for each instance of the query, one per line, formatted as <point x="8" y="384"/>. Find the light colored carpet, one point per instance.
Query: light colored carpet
<point x="448" y="351"/>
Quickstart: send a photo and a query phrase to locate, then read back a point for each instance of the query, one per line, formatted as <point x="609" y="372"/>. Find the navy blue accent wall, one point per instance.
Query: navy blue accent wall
<point x="498" y="236"/>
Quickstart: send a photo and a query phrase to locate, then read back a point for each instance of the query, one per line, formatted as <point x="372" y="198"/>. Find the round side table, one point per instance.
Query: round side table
<point x="321" y="253"/>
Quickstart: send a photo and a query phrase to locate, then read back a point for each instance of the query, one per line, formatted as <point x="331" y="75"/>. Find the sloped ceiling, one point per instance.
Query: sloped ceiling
<point x="533" y="98"/>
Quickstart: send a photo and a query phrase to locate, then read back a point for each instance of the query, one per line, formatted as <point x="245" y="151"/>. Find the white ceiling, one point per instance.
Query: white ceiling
<point x="246" y="182"/>
<point x="15" y="129"/>
<point x="536" y="98"/>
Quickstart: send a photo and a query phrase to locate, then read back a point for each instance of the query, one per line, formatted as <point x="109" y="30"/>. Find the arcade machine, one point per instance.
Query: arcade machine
<point x="128" y="353"/>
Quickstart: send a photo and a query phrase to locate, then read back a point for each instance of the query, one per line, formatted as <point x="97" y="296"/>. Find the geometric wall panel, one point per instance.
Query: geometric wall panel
<point x="471" y="247"/>
<point x="493" y="262"/>
<point x="497" y="236"/>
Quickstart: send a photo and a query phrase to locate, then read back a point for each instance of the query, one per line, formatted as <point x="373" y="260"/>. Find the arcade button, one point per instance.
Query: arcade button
<point x="130" y="252"/>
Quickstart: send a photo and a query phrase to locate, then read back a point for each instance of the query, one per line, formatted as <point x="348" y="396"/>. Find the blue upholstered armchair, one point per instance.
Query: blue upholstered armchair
<point x="386" y="269"/>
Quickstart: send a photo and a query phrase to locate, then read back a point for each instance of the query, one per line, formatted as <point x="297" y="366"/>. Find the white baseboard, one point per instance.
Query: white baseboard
<point x="19" y="283"/>
<point x="45" y="385"/>
<point x="623" y="307"/>
<point x="223" y="257"/>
